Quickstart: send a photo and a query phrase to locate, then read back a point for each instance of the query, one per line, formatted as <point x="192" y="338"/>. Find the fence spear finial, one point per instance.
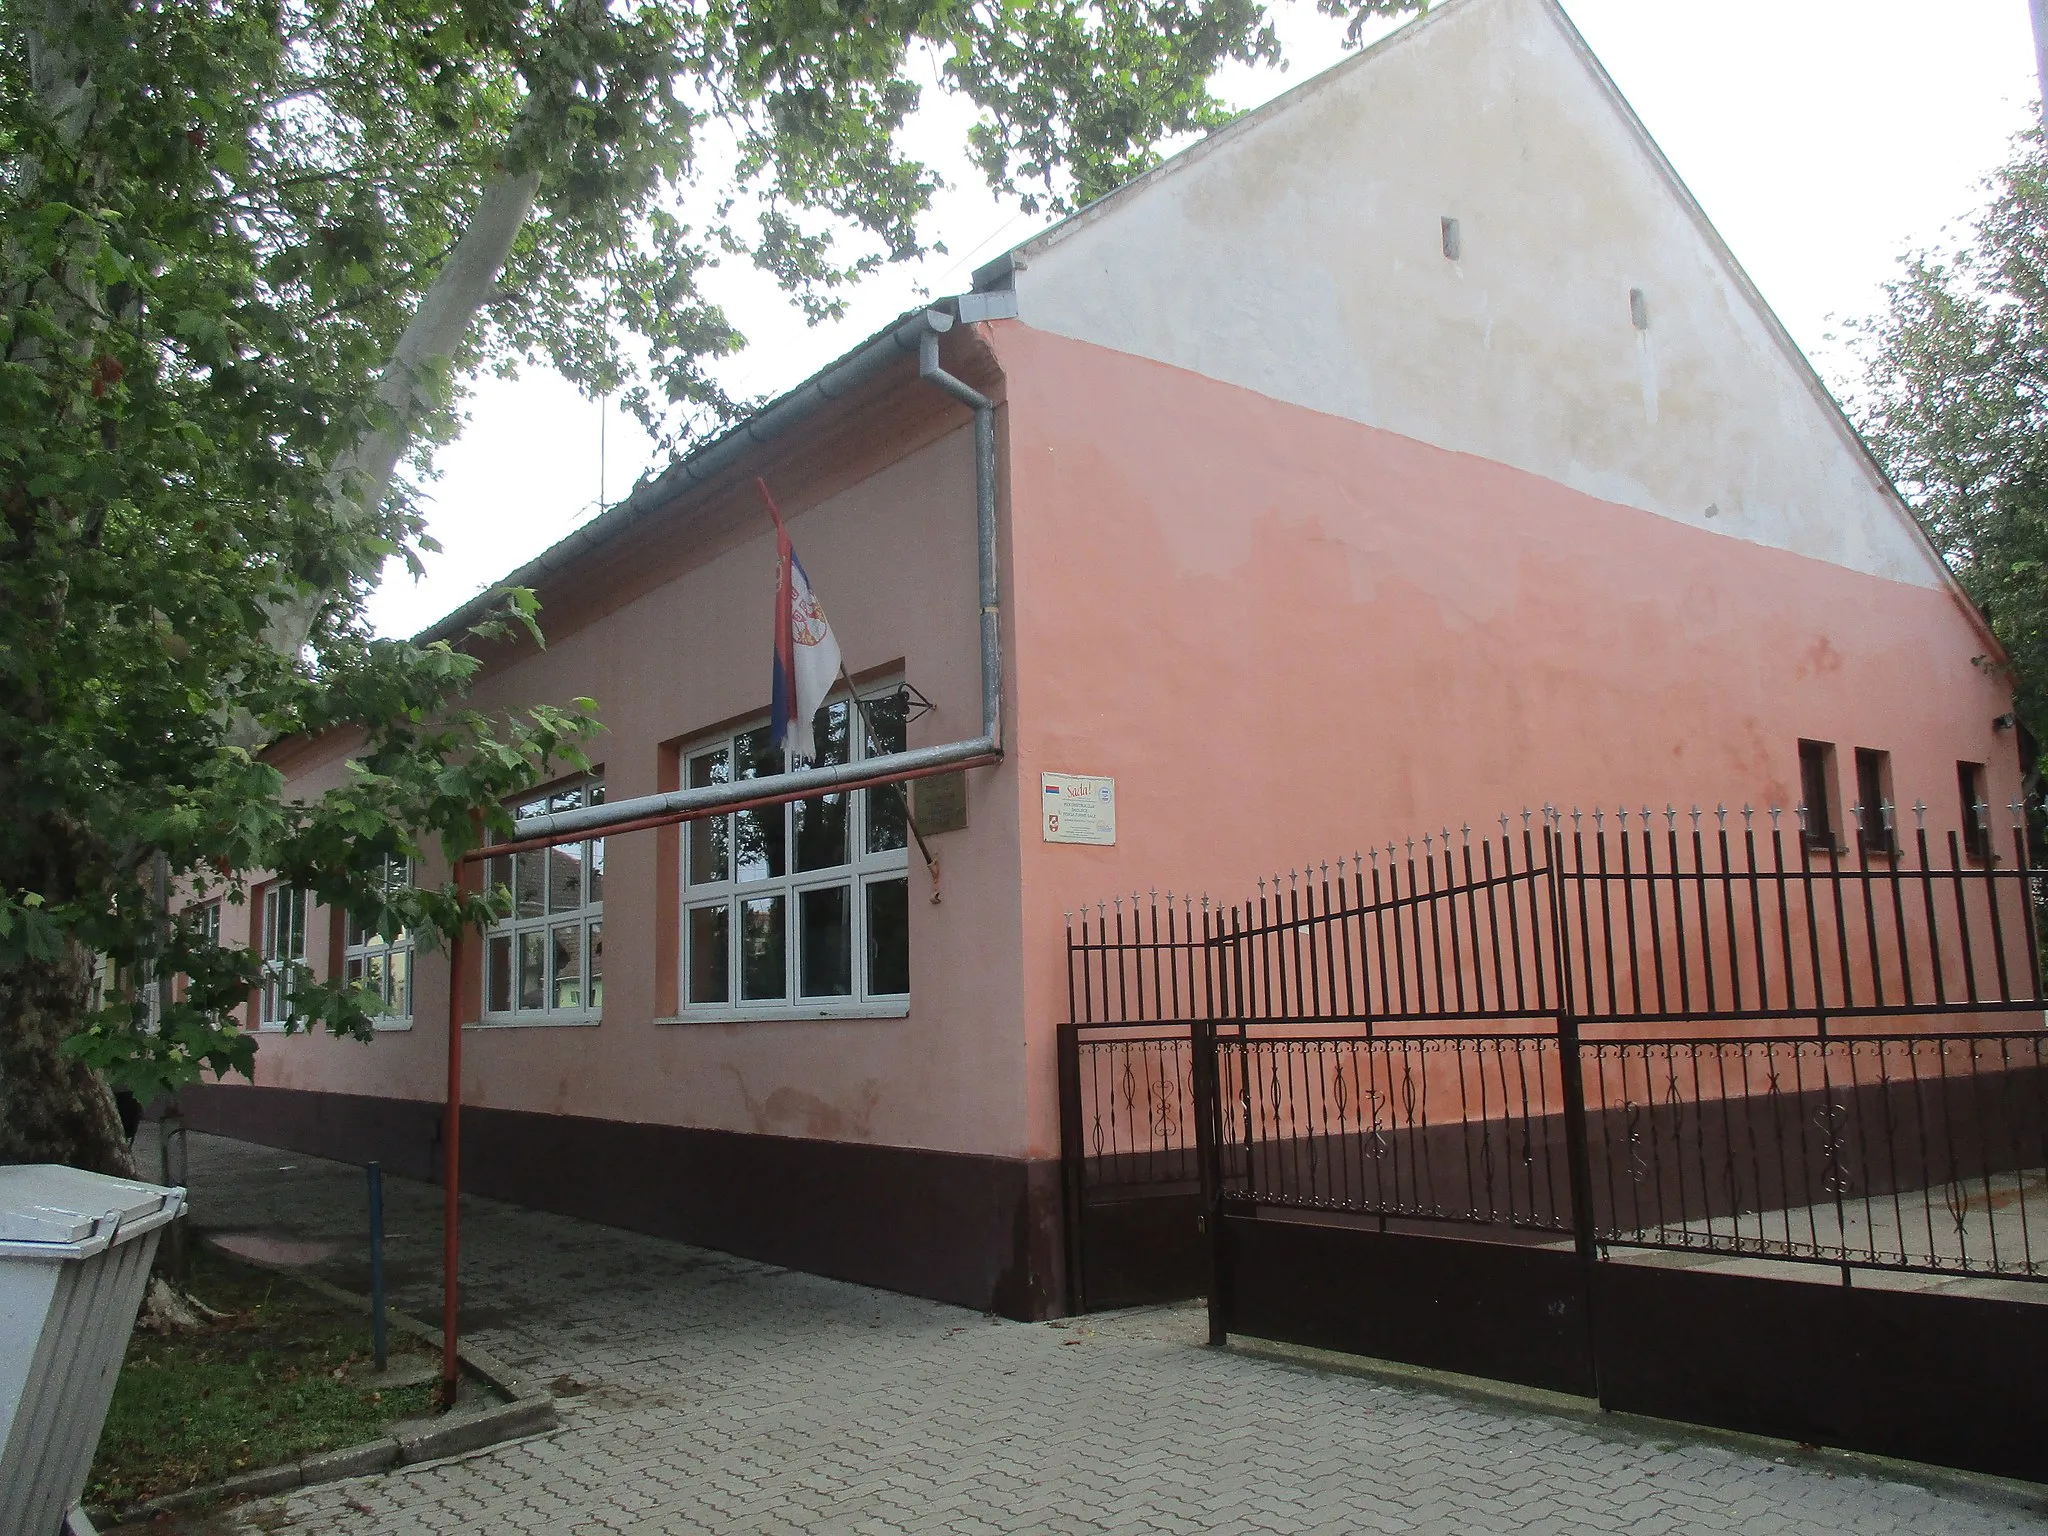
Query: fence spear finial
<point x="1748" y="811"/>
<point x="1599" y="822"/>
<point x="1920" y="812"/>
<point x="1885" y="810"/>
<point x="1411" y="848"/>
<point x="1340" y="868"/>
<point x="1776" y="812"/>
<point x="2018" y="808"/>
<point x="1262" y="886"/>
<point x="1503" y="823"/>
<point x="1856" y="809"/>
<point x="1465" y="831"/>
<point x="1447" y="839"/>
<point x="1575" y="819"/>
<point x="1695" y="818"/>
<point x="1670" y="817"/>
<point x="1721" y="815"/>
<point x="1800" y="810"/>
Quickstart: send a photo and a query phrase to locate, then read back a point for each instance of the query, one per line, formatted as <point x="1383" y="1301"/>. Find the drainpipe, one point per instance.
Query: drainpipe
<point x="918" y="762"/>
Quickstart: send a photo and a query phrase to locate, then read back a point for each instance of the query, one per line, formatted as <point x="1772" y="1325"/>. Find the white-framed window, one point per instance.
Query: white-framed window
<point x="203" y="919"/>
<point x="284" y="947"/>
<point x="545" y="963"/>
<point x="383" y="965"/>
<point x="799" y="910"/>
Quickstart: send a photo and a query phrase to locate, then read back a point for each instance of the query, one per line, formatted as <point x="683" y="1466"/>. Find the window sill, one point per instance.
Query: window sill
<point x="897" y="1008"/>
<point x="392" y="1022"/>
<point x="543" y="1021"/>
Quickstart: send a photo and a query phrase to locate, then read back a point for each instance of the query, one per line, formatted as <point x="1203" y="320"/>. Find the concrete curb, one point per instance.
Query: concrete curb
<point x="531" y="1411"/>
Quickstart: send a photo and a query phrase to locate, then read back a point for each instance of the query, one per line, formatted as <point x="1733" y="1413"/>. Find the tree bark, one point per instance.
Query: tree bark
<point x="362" y="474"/>
<point x="53" y="1107"/>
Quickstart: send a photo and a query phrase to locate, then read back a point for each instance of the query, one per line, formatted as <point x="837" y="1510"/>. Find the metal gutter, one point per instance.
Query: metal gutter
<point x="921" y="335"/>
<point x="901" y="338"/>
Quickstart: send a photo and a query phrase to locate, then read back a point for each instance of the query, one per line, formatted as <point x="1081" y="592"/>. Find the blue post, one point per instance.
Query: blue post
<point x="377" y="1333"/>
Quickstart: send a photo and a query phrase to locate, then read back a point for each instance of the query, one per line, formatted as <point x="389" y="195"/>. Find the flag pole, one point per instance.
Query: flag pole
<point x="909" y="817"/>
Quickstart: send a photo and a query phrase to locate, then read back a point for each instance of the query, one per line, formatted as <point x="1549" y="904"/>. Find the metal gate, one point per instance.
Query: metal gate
<point x="1688" y="1118"/>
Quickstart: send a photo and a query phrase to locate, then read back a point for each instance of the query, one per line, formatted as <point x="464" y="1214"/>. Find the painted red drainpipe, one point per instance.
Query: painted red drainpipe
<point x="451" y="1176"/>
<point x="451" y="1120"/>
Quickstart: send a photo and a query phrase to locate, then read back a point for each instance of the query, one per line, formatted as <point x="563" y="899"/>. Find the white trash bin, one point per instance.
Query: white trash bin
<point x="75" y="1252"/>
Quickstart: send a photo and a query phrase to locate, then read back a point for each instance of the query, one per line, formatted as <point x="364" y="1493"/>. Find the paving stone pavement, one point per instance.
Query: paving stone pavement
<point x="703" y="1393"/>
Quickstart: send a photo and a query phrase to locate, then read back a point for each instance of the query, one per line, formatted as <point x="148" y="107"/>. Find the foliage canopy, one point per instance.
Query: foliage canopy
<point x="1954" y="401"/>
<point x="249" y="250"/>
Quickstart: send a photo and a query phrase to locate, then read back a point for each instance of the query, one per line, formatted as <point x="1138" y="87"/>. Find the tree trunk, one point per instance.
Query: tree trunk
<point x="53" y="1107"/>
<point x="362" y="474"/>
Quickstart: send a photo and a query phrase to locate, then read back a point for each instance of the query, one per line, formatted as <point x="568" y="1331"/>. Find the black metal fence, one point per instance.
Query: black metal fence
<point x="1535" y="1032"/>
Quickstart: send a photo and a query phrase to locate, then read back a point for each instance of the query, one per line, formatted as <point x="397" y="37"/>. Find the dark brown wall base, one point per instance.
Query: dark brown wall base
<point x="982" y="1232"/>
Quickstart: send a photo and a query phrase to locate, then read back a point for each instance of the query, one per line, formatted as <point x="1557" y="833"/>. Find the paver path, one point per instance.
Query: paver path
<point x="704" y="1393"/>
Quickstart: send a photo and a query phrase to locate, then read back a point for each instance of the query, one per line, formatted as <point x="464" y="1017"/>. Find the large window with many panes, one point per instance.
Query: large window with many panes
<point x="283" y="939"/>
<point x="381" y="965"/>
<point x="545" y="963"/>
<point x="798" y="910"/>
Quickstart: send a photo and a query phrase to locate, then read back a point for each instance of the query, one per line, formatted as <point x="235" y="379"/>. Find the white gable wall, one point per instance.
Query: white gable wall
<point x="1300" y="254"/>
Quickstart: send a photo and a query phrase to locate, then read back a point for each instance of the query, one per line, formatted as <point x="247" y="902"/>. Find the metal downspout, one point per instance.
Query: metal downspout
<point x="687" y="804"/>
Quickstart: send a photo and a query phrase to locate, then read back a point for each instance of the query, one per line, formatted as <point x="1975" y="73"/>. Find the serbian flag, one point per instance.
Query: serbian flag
<point x="806" y="652"/>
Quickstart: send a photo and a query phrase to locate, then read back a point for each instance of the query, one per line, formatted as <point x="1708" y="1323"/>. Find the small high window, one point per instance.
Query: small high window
<point x="1976" y="812"/>
<point x="1817" y="794"/>
<point x="1876" y="817"/>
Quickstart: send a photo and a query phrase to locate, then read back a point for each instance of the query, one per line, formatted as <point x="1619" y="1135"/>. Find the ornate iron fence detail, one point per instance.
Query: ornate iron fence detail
<point x="1672" y="1013"/>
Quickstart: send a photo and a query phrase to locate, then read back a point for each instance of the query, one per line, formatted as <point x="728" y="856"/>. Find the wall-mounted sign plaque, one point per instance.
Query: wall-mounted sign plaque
<point x="1078" y="808"/>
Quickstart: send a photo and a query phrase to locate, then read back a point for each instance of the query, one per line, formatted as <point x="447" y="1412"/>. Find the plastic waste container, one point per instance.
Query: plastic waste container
<point x="75" y="1252"/>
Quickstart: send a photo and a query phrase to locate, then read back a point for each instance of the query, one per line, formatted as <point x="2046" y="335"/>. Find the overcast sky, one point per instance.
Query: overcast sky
<point x="1823" y="137"/>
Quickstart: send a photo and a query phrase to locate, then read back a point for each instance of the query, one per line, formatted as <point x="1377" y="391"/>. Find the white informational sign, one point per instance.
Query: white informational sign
<point x="1078" y="808"/>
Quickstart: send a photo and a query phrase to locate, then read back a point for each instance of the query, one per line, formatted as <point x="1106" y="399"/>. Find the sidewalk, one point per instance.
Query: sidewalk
<point x="703" y="1393"/>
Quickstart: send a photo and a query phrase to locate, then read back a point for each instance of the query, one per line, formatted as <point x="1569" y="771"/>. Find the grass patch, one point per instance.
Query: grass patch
<point x="286" y="1374"/>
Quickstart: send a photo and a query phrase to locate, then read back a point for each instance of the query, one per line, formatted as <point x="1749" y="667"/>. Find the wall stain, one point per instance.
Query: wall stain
<point x="1821" y="659"/>
<point x="792" y="1111"/>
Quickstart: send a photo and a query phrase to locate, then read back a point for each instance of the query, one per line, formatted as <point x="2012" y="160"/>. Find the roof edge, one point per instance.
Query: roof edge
<point x="849" y="372"/>
<point x="993" y="272"/>
<point x="1802" y="364"/>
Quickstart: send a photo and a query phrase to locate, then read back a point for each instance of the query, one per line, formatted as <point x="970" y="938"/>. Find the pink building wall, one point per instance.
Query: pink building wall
<point x="1288" y="636"/>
